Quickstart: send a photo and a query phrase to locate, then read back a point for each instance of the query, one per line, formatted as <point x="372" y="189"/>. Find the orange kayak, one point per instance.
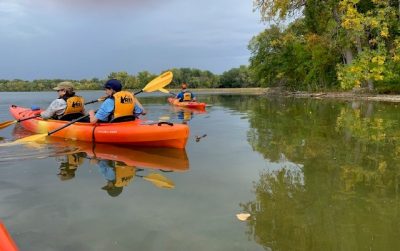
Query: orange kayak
<point x="6" y="243"/>
<point x="136" y="132"/>
<point x="193" y="105"/>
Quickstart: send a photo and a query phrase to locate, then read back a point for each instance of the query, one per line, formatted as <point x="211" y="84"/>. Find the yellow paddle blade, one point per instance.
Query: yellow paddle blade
<point x="35" y="137"/>
<point x="163" y="90"/>
<point x="159" y="82"/>
<point x="159" y="181"/>
<point x="27" y="140"/>
<point x="7" y="123"/>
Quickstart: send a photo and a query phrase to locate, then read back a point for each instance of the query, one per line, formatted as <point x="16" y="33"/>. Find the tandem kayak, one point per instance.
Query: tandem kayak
<point x="138" y="132"/>
<point x="193" y="105"/>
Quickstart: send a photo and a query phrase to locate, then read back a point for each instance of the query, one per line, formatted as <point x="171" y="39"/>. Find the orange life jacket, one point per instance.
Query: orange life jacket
<point x="124" y="104"/>
<point x="75" y="105"/>
<point x="187" y="96"/>
<point x="123" y="174"/>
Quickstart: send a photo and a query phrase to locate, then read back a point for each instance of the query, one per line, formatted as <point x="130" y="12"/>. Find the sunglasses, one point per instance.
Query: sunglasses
<point x="60" y="90"/>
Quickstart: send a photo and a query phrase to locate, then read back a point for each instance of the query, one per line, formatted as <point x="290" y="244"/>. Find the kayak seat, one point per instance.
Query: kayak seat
<point x="72" y="116"/>
<point x="123" y="119"/>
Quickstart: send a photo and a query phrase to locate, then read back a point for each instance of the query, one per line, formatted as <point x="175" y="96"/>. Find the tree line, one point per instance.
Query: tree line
<point x="235" y="77"/>
<point x="330" y="44"/>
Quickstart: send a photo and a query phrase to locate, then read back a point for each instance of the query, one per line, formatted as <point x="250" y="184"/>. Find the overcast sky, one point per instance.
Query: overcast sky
<point x="78" y="39"/>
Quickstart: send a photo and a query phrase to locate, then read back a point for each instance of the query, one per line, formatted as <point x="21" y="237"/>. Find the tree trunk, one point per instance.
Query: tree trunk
<point x="348" y="56"/>
<point x="358" y="44"/>
<point x="347" y="52"/>
<point x="370" y="85"/>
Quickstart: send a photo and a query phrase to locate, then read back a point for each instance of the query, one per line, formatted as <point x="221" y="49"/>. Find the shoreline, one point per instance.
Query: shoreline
<point x="277" y="92"/>
<point x="349" y="96"/>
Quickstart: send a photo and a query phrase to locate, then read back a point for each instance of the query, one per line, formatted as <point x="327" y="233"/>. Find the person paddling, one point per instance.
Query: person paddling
<point x="119" y="105"/>
<point x="67" y="106"/>
<point x="185" y="95"/>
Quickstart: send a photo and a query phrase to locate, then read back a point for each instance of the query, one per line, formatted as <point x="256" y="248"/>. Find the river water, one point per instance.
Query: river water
<point x="312" y="174"/>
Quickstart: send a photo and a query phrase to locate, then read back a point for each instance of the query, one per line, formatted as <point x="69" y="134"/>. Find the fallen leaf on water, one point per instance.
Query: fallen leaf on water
<point x="243" y="216"/>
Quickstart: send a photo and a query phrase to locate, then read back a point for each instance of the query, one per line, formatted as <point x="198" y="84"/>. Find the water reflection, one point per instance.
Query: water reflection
<point x="69" y="164"/>
<point x="118" y="165"/>
<point x="338" y="185"/>
<point x="186" y="114"/>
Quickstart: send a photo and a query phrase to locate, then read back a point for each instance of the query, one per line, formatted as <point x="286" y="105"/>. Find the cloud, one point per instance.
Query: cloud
<point x="79" y="38"/>
<point x="93" y="5"/>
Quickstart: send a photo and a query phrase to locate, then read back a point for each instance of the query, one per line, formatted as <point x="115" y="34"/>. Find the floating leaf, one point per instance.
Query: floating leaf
<point x="243" y="216"/>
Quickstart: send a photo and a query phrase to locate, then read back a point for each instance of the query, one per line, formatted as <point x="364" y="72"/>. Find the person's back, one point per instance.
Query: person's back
<point x="185" y="95"/>
<point x="119" y="105"/>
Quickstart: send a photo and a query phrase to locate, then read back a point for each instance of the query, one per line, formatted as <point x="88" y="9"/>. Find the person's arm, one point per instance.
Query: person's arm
<point x="56" y="107"/>
<point x="92" y="117"/>
<point x="193" y="97"/>
<point x="103" y="113"/>
<point x="179" y="96"/>
<point x="139" y="108"/>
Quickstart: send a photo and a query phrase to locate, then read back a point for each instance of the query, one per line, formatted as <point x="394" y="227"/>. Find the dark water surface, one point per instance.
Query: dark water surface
<point x="313" y="174"/>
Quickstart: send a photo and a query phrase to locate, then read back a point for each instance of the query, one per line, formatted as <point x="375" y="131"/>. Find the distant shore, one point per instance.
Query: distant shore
<point x="348" y="95"/>
<point x="276" y="92"/>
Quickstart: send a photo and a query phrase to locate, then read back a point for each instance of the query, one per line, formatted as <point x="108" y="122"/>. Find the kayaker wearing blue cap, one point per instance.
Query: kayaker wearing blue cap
<point x="119" y="105"/>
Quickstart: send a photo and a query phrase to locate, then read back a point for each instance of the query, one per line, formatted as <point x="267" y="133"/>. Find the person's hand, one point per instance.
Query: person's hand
<point x="92" y="117"/>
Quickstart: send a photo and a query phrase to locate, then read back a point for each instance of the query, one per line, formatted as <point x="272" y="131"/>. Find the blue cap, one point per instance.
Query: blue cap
<point x="114" y="84"/>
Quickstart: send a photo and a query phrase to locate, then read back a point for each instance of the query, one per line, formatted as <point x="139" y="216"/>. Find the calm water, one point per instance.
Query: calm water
<point x="313" y="174"/>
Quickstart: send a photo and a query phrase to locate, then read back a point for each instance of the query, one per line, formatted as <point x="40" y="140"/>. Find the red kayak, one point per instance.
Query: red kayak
<point x="6" y="242"/>
<point x="136" y="132"/>
<point x="193" y="105"/>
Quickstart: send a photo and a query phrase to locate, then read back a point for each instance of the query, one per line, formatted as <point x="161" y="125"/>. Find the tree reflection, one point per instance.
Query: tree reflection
<point x="344" y="192"/>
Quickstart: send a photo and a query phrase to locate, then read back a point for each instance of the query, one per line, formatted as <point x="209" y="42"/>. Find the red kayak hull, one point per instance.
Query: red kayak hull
<point x="193" y="105"/>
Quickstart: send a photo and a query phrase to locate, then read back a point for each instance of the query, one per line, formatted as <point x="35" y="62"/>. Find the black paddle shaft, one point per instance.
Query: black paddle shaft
<point x="68" y="124"/>
<point x="32" y="117"/>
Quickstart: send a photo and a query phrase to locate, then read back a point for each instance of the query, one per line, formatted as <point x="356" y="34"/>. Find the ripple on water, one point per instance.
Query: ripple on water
<point x="33" y="150"/>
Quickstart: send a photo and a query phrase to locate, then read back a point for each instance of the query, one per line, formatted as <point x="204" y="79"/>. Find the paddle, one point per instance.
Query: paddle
<point x="11" y="122"/>
<point x="166" y="91"/>
<point x="159" y="180"/>
<point x="157" y="83"/>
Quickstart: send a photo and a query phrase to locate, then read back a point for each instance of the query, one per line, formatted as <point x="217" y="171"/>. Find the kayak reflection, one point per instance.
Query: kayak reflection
<point x="186" y="114"/>
<point x="120" y="165"/>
